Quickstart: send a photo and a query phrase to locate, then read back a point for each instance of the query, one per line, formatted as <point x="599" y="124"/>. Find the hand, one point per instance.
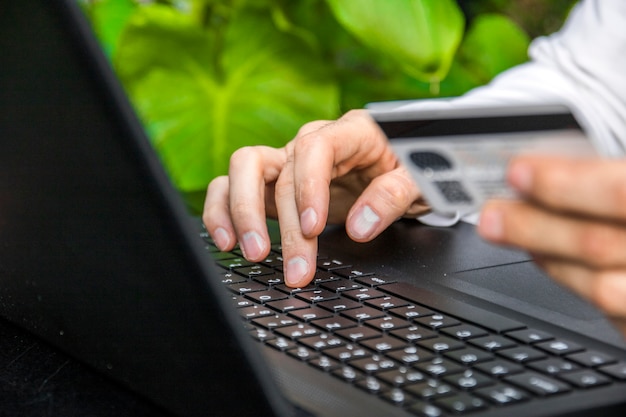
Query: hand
<point x="572" y="218"/>
<point x="339" y="171"/>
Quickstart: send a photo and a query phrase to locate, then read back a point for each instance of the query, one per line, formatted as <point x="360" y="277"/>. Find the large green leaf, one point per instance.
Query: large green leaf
<point x="492" y="44"/>
<point x="421" y="35"/>
<point x="203" y="95"/>
<point x="108" y="18"/>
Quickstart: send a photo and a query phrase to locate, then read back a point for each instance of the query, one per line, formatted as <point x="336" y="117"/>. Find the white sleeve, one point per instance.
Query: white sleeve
<point x="583" y="66"/>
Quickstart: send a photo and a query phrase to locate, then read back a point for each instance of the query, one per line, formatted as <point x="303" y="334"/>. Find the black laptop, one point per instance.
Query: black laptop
<point x="100" y="258"/>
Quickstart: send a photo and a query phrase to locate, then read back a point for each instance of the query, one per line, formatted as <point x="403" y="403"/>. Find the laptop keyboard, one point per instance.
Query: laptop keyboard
<point x="428" y="354"/>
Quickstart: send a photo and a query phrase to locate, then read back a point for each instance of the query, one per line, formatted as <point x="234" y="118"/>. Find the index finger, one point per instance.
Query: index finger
<point x="593" y="187"/>
<point x="352" y="142"/>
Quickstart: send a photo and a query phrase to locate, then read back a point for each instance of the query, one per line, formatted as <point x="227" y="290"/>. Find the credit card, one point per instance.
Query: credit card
<point x="459" y="158"/>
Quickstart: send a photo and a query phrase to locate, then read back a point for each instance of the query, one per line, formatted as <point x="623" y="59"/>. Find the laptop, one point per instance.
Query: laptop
<point x="101" y="259"/>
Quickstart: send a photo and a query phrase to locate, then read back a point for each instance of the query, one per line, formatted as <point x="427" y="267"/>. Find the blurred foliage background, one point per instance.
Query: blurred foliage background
<point x="210" y="76"/>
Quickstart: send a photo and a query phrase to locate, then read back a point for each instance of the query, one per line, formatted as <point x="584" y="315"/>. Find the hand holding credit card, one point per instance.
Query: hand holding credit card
<point x="459" y="157"/>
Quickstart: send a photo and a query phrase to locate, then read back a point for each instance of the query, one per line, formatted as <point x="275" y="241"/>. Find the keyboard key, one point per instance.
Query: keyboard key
<point x="522" y="354"/>
<point x="586" y="378"/>
<point x="311" y="313"/>
<point x="373" y="385"/>
<point x="411" y="355"/>
<point x="470" y="356"/>
<point x="358" y="333"/>
<point x="263" y="297"/>
<point x="302" y="353"/>
<point x="274" y="322"/>
<point x="617" y="371"/>
<point x="348" y="373"/>
<point x="432" y="388"/>
<point x="333" y="324"/>
<point x="321" y="341"/>
<point x="383" y="344"/>
<point x="348" y="352"/>
<point x="437" y="321"/>
<point x="270" y="280"/>
<point x="386" y="324"/>
<point x="372" y="280"/>
<point x="363" y="313"/>
<point x="529" y="336"/>
<point x="231" y="262"/>
<point x="331" y="264"/>
<point x="424" y="409"/>
<point x="262" y="335"/>
<point x="591" y="358"/>
<point x="282" y="343"/>
<point x="439" y="367"/>
<point x="464" y="331"/>
<point x="317" y="296"/>
<point x="538" y="384"/>
<point x="255" y="311"/>
<point x="559" y="347"/>
<point x="461" y="403"/>
<point x="397" y="397"/>
<point x="232" y="278"/>
<point x="297" y="331"/>
<point x="411" y="312"/>
<point x="340" y="285"/>
<point x="246" y="287"/>
<point x="499" y="368"/>
<point x="288" y="304"/>
<point x="386" y="303"/>
<point x="502" y="394"/>
<point x="252" y="271"/>
<point x="493" y="343"/>
<point x="413" y="333"/>
<point x="324" y="363"/>
<point x="441" y="344"/>
<point x="363" y="294"/>
<point x="553" y="366"/>
<point x="339" y="304"/>
<point x="373" y="364"/>
<point x="401" y="376"/>
<point x="469" y="379"/>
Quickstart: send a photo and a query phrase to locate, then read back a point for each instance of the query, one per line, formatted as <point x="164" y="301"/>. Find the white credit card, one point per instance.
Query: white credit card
<point x="459" y="157"/>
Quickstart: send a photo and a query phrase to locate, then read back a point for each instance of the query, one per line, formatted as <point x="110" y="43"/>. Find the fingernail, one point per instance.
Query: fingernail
<point x="221" y="238"/>
<point x="296" y="270"/>
<point x="308" y="221"/>
<point x="520" y="176"/>
<point x="364" y="223"/>
<point x="253" y="245"/>
<point x="490" y="225"/>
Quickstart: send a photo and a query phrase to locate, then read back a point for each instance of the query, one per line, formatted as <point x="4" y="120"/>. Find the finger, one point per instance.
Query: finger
<point x="591" y="187"/>
<point x="594" y="243"/>
<point x="604" y="288"/>
<point x="251" y="168"/>
<point x="216" y="214"/>
<point x="388" y="197"/>
<point x="352" y="142"/>
<point x="299" y="252"/>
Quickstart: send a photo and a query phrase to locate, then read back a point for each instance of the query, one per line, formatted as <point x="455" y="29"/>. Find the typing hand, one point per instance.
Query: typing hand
<point x="573" y="220"/>
<point x="332" y="171"/>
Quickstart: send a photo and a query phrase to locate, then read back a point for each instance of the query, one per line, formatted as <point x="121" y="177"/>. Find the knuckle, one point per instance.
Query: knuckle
<point x="244" y="156"/>
<point x="395" y="192"/>
<point x="596" y="245"/>
<point x="619" y="194"/>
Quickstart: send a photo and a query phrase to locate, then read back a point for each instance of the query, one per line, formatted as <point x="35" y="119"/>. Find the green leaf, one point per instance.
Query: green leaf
<point x="493" y="44"/>
<point x="421" y="35"/>
<point x="108" y="19"/>
<point x="202" y="95"/>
